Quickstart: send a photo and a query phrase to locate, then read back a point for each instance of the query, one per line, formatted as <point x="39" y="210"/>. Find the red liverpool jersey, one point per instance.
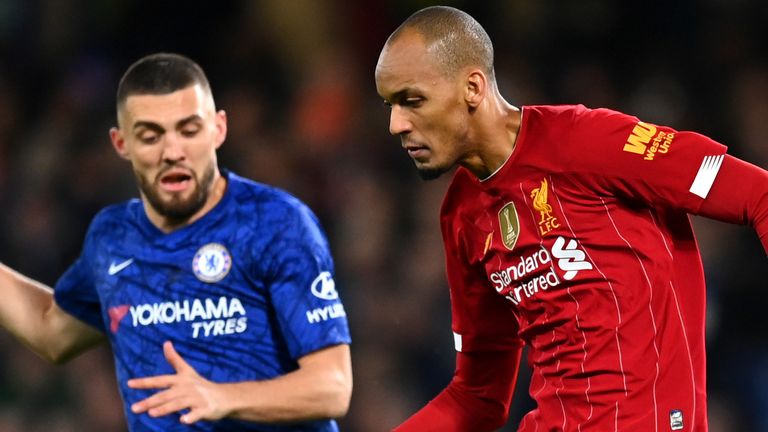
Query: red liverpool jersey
<point x="580" y="246"/>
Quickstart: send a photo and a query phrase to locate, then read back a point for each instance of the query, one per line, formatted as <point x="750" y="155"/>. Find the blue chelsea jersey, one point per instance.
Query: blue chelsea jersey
<point x="242" y="293"/>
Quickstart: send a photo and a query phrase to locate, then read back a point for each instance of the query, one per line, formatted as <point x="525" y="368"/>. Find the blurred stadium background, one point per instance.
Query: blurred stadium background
<point x="296" y="78"/>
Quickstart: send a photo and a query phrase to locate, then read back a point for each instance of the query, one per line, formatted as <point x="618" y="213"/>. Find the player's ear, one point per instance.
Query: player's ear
<point x="476" y="88"/>
<point x="118" y="142"/>
<point x="221" y="127"/>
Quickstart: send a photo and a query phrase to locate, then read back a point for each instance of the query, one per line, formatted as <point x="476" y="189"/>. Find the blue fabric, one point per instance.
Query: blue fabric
<point x="242" y="293"/>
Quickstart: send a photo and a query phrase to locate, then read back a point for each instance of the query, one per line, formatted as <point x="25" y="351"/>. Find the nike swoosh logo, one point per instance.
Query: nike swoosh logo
<point x="115" y="268"/>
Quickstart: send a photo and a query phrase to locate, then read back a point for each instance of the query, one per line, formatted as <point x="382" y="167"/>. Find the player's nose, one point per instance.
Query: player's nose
<point x="398" y="123"/>
<point x="173" y="148"/>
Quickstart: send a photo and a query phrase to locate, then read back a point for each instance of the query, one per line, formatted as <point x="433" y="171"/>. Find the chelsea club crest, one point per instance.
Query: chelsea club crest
<point x="211" y="262"/>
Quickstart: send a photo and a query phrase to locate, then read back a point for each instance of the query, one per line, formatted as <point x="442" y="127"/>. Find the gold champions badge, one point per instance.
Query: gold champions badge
<point x="547" y="222"/>
<point x="510" y="226"/>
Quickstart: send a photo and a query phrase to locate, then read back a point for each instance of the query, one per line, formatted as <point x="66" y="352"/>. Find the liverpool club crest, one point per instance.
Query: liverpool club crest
<point x="540" y="196"/>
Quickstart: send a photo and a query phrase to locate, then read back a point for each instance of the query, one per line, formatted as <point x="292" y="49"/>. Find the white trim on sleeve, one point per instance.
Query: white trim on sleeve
<point x="457" y="341"/>
<point x="706" y="175"/>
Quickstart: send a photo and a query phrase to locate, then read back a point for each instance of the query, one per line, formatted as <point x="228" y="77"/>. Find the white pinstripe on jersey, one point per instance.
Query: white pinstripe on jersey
<point x="650" y="310"/>
<point x="682" y="324"/>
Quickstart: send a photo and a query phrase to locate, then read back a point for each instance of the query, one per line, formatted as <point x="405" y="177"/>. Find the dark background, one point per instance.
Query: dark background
<point x="296" y="78"/>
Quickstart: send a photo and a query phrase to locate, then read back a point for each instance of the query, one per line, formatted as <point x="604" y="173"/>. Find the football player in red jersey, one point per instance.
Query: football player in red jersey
<point x="566" y="229"/>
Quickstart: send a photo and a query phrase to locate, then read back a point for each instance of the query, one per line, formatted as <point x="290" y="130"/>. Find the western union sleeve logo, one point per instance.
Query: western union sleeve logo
<point x="647" y="140"/>
<point x="639" y="138"/>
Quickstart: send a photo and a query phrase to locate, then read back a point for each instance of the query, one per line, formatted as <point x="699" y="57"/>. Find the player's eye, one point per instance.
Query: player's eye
<point x="387" y="104"/>
<point x="149" y="137"/>
<point x="413" y="102"/>
<point x="190" y="132"/>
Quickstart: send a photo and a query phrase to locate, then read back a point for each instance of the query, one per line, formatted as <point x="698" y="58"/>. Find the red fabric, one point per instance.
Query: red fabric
<point x="740" y="195"/>
<point x="580" y="246"/>
<point x="477" y="399"/>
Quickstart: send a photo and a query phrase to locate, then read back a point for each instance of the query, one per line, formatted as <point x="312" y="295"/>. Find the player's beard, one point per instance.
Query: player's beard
<point x="177" y="208"/>
<point x="430" y="173"/>
<point x="433" y="172"/>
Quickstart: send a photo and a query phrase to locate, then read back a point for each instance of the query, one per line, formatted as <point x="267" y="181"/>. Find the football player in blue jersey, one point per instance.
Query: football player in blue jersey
<point x="215" y="292"/>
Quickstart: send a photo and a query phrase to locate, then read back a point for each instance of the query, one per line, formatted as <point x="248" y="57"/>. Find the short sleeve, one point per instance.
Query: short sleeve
<point x="302" y="286"/>
<point x="624" y="156"/>
<point x="75" y="291"/>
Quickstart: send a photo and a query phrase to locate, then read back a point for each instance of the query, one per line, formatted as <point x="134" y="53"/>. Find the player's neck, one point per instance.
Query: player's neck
<point x="494" y="141"/>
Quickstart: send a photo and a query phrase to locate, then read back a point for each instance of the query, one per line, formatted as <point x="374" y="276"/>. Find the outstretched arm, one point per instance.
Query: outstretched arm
<point x="29" y="312"/>
<point x="477" y="399"/>
<point x="739" y="194"/>
<point x="320" y="388"/>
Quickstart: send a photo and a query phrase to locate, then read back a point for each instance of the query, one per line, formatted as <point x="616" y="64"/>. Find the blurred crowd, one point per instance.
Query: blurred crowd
<point x="296" y="80"/>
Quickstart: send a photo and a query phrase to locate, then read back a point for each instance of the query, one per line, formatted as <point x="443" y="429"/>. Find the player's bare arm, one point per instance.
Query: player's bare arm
<point x="320" y="388"/>
<point x="29" y="312"/>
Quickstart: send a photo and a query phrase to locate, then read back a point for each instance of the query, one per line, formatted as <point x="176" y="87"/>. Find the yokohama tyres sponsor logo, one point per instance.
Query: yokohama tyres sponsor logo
<point x="208" y="317"/>
<point x="536" y="272"/>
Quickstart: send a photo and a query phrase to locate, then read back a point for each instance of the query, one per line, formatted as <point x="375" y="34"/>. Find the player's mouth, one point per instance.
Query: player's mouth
<point x="416" y="151"/>
<point x="175" y="181"/>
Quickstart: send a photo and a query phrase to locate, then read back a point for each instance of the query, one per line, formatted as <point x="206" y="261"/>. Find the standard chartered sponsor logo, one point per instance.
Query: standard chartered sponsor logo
<point x="516" y="281"/>
<point x="209" y="317"/>
<point x="532" y="286"/>
<point x="515" y="272"/>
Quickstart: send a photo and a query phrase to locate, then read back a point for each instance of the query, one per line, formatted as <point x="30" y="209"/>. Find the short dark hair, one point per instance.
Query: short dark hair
<point x="456" y="39"/>
<point x="159" y="74"/>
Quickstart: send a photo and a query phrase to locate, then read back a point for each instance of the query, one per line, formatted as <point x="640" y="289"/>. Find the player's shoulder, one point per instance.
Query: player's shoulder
<point x="547" y="114"/>
<point x="569" y="113"/>
<point x="251" y="193"/>
<point x="559" y="136"/>
<point x="115" y="215"/>
<point x="112" y="223"/>
<point x="265" y="201"/>
<point x="555" y="110"/>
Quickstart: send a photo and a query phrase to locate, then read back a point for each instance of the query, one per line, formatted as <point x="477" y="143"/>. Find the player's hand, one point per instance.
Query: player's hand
<point x="184" y="390"/>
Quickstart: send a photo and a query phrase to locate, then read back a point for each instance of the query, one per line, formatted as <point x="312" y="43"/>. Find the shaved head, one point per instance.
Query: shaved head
<point x="453" y="38"/>
<point x="436" y="73"/>
<point x="160" y="74"/>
